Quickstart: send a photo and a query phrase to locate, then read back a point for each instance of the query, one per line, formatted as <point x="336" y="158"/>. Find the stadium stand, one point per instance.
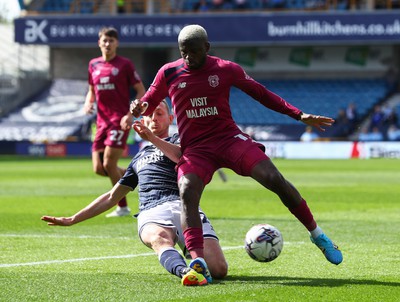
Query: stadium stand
<point x="96" y="6"/>
<point x="165" y="6"/>
<point x="67" y="122"/>
<point x="325" y="96"/>
<point x="322" y="96"/>
<point x="56" y="6"/>
<point x="54" y="115"/>
<point x="23" y="71"/>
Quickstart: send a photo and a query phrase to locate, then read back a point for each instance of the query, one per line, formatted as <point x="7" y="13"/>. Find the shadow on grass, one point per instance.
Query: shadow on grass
<point x="297" y="281"/>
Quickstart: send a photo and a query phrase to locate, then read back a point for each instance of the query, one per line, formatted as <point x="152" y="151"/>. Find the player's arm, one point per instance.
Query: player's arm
<point x="127" y="120"/>
<point x="273" y="101"/>
<point x="278" y="104"/>
<point x="140" y="90"/>
<point x="99" y="205"/>
<point x="154" y="95"/>
<point x="172" y="151"/>
<point x="89" y="100"/>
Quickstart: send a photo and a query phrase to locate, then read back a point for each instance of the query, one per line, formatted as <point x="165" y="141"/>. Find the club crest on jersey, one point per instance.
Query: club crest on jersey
<point x="213" y="80"/>
<point x="114" y="71"/>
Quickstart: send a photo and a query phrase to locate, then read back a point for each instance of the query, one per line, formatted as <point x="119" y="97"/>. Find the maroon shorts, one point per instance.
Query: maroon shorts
<point x="110" y="135"/>
<point x="238" y="153"/>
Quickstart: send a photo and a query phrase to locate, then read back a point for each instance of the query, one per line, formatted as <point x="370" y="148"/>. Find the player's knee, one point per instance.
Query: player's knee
<point x="99" y="171"/>
<point x="109" y="166"/>
<point x="276" y="179"/>
<point x="215" y="258"/>
<point x="219" y="270"/>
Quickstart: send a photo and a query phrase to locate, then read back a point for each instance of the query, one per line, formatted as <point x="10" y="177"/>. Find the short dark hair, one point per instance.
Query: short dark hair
<point x="109" y="32"/>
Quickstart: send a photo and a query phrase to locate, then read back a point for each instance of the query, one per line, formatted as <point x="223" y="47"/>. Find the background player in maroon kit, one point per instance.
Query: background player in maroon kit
<point x="110" y="79"/>
<point x="199" y="86"/>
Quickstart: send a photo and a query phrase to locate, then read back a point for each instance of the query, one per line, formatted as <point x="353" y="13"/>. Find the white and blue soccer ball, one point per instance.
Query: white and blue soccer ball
<point x="263" y="242"/>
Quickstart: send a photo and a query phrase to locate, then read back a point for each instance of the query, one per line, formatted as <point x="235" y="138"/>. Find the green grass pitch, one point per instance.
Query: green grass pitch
<point x="356" y="202"/>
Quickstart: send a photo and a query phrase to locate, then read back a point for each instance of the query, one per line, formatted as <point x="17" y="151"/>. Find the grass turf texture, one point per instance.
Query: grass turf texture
<point x="355" y="201"/>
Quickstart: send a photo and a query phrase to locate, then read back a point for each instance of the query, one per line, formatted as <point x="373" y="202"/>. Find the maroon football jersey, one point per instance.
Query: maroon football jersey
<point x="200" y="98"/>
<point x="112" y="81"/>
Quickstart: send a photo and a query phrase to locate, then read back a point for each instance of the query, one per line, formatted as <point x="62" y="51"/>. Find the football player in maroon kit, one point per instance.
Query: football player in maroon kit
<point x="110" y="80"/>
<point x="199" y="87"/>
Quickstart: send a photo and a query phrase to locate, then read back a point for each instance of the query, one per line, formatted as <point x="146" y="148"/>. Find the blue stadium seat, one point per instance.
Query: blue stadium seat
<point x="87" y="7"/>
<point x="62" y="6"/>
<point x="325" y="97"/>
<point x="295" y="4"/>
<point x="189" y="4"/>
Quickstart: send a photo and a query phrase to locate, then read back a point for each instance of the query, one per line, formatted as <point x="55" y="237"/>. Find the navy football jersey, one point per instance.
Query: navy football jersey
<point x="155" y="175"/>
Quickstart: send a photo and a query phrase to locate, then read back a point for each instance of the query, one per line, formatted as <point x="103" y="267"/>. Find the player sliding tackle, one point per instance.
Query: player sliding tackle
<point x="159" y="224"/>
<point x="199" y="86"/>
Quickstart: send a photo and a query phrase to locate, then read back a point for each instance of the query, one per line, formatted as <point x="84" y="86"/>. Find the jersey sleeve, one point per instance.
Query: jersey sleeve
<point x="156" y="93"/>
<point x="175" y="139"/>
<point x="90" y="79"/>
<point x="134" y="76"/>
<point x="130" y="178"/>
<point x="260" y="93"/>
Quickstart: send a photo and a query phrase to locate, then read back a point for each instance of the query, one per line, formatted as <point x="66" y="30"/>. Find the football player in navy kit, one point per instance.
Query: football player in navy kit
<point x="159" y="225"/>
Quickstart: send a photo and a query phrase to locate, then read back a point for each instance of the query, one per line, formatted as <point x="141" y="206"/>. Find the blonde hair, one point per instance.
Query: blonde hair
<point x="191" y="32"/>
<point x="166" y="105"/>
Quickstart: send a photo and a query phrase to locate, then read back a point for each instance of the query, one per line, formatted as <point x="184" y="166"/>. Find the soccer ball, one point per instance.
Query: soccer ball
<point x="263" y="242"/>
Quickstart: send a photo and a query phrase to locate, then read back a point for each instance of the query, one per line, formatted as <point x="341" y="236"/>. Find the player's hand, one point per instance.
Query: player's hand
<point x="144" y="132"/>
<point x="318" y="121"/>
<point x="126" y="122"/>
<point x="62" y="221"/>
<point x="137" y="107"/>
<point x="88" y="107"/>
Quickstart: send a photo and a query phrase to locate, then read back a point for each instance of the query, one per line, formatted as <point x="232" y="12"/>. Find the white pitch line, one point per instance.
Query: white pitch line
<point x="74" y="260"/>
<point x="88" y="259"/>
<point x="105" y="257"/>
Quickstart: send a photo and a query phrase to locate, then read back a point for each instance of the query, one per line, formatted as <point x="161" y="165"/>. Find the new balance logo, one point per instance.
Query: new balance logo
<point x="182" y="85"/>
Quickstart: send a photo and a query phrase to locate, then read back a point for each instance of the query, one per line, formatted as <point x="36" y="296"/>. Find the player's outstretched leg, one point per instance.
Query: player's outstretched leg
<point x="200" y="266"/>
<point x="328" y="248"/>
<point x="193" y="278"/>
